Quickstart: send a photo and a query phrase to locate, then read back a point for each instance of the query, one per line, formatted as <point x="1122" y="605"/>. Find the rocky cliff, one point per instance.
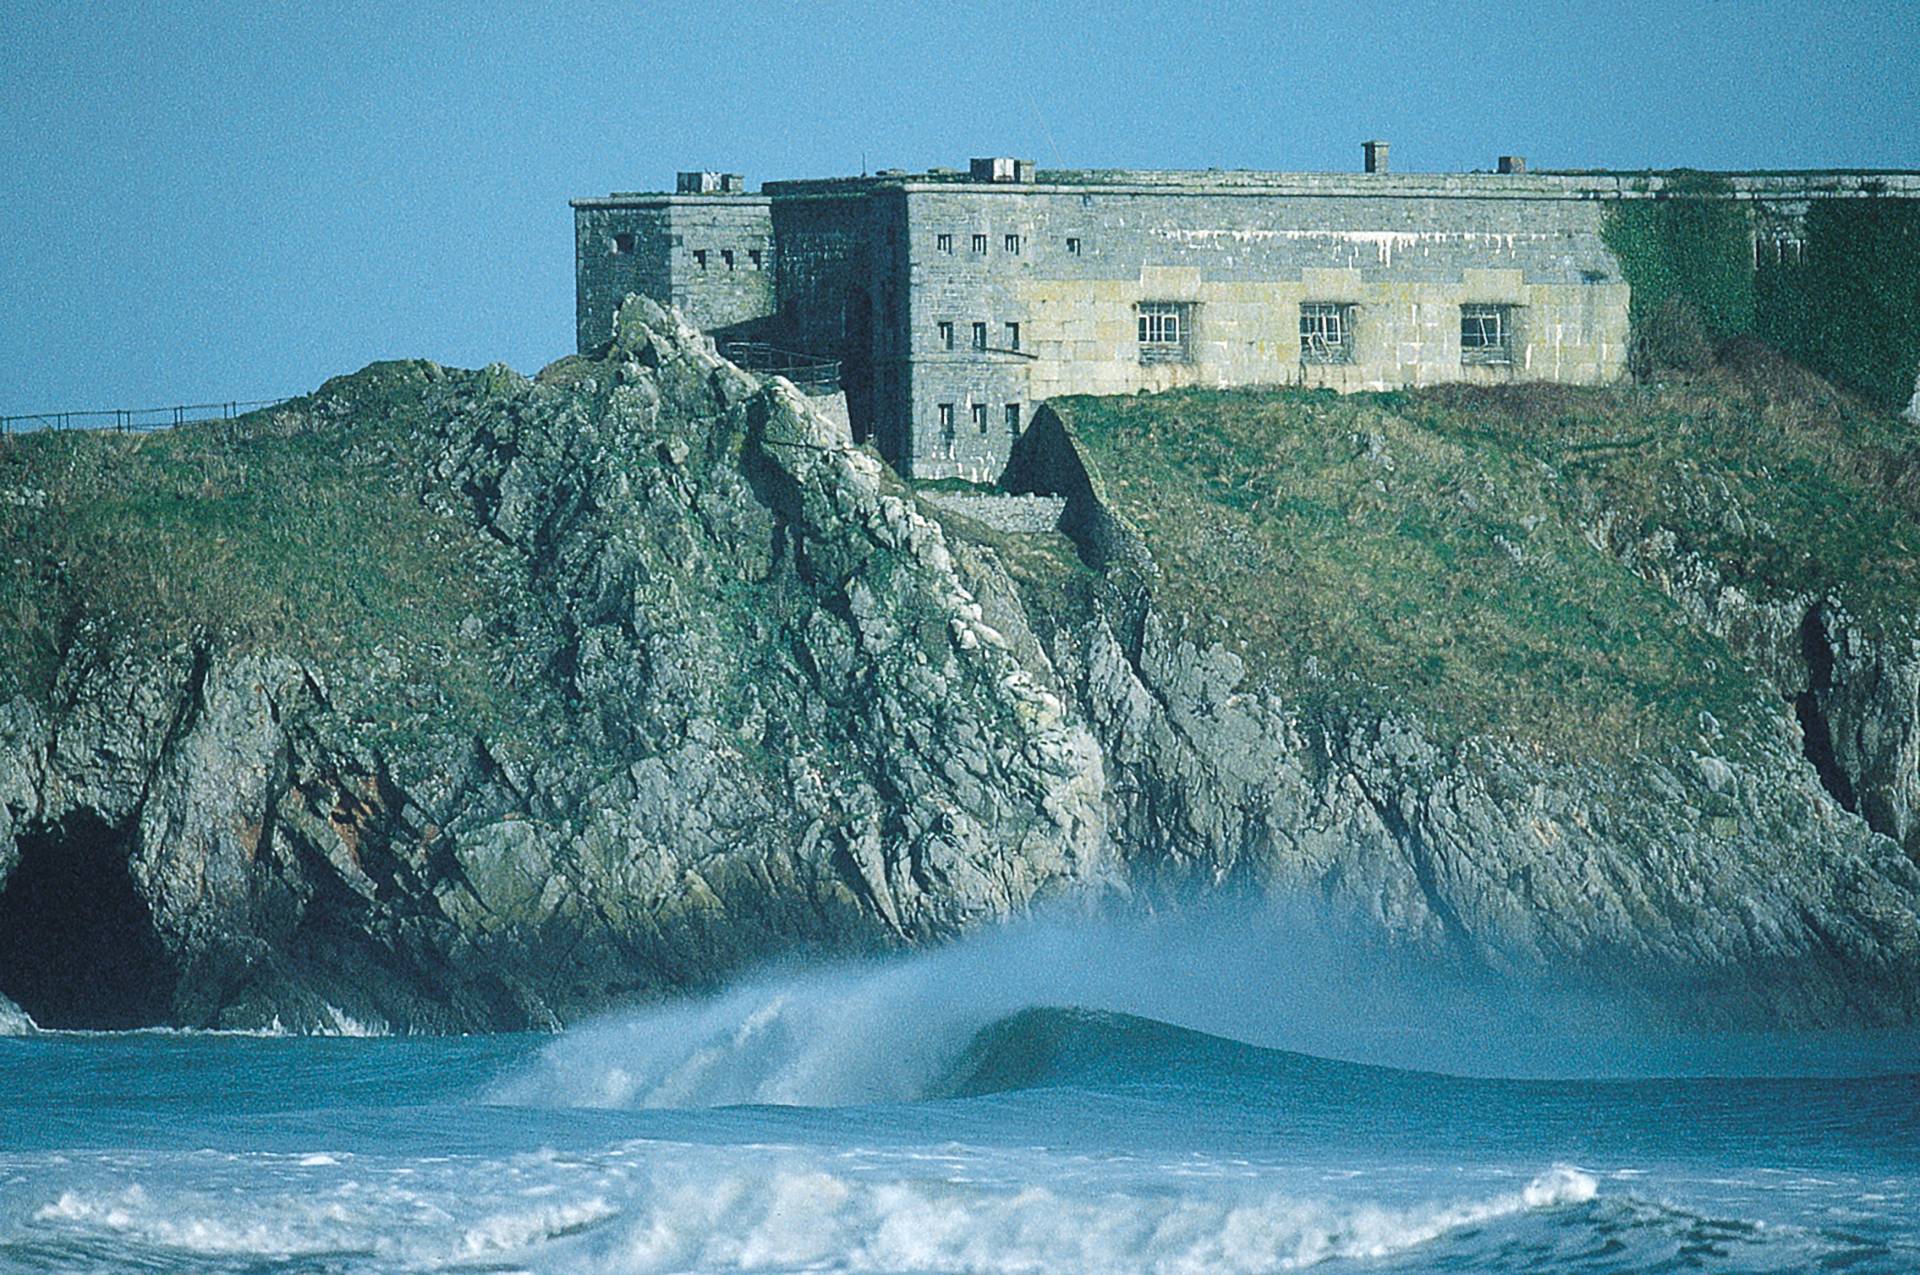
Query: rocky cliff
<point x="447" y="700"/>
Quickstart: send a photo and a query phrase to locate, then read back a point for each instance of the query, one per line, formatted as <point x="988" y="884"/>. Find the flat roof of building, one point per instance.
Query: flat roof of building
<point x="1534" y="184"/>
<point x="663" y="199"/>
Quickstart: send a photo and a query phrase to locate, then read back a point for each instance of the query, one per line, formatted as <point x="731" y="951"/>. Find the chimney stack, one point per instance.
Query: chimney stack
<point x="1513" y="163"/>
<point x="1000" y="168"/>
<point x="1376" y="153"/>
<point x="709" y="183"/>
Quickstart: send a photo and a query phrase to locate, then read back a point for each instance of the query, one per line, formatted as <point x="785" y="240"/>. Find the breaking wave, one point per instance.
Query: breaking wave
<point x="813" y="1218"/>
<point x="14" y="1020"/>
<point x="895" y="1030"/>
<point x="652" y="1206"/>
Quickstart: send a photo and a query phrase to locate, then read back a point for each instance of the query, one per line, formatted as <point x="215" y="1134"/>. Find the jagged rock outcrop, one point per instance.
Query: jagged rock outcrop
<point x="1740" y="892"/>
<point x="1855" y="694"/>
<point x="763" y="712"/>
<point x="1728" y="880"/>
<point x="728" y="690"/>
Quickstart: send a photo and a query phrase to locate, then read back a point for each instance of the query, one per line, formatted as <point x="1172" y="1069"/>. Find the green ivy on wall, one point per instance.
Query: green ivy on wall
<point x="1848" y="306"/>
<point x="1690" y="245"/>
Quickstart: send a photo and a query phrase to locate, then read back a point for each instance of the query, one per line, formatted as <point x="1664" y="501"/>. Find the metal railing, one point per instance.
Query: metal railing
<point x="134" y="420"/>
<point x="808" y="372"/>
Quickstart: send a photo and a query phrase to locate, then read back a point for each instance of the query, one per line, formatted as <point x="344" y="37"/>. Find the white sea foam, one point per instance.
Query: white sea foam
<point x="341" y="1023"/>
<point x="807" y="1218"/>
<point x="14" y="1020"/>
<point x="421" y="1215"/>
<point x="645" y="1207"/>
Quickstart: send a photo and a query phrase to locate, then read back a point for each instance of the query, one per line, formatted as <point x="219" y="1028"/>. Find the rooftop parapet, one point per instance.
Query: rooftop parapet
<point x="1513" y="180"/>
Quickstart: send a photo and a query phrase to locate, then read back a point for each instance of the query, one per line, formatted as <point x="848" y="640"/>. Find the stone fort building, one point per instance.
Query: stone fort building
<point x="953" y="302"/>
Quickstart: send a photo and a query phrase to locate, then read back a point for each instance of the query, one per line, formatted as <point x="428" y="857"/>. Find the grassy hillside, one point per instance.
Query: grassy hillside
<point x="1433" y="550"/>
<point x="298" y="527"/>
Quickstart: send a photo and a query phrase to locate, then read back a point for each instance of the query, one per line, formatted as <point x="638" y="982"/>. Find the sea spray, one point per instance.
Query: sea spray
<point x="14" y="1020"/>
<point x="889" y="1030"/>
<point x="892" y="1029"/>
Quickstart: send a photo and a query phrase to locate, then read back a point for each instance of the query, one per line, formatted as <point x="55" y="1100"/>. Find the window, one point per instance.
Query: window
<point x="943" y="242"/>
<point x="1013" y="336"/>
<point x="1012" y="244"/>
<point x="753" y="255"/>
<point x="1073" y="247"/>
<point x="1165" y="331"/>
<point x="945" y="329"/>
<point x="726" y="257"/>
<point x="979" y="243"/>
<point x="946" y="430"/>
<point x="1326" y="332"/>
<point x="1013" y="419"/>
<point x="979" y="336"/>
<point x="980" y="417"/>
<point x="622" y="243"/>
<point x="700" y="258"/>
<point x="1486" y="334"/>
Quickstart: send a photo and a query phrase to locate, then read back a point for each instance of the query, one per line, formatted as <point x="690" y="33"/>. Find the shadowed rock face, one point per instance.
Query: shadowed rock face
<point x="77" y="942"/>
<point x="751" y="697"/>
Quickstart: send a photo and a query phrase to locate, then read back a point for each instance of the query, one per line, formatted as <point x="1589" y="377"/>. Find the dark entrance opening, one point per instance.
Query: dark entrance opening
<point x="1816" y="732"/>
<point x="1817" y="743"/>
<point x="856" y="362"/>
<point x="78" y="948"/>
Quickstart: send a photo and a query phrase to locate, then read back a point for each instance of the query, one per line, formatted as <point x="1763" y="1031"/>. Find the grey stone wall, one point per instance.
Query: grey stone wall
<point x="603" y="274"/>
<point x="855" y="269"/>
<point x="963" y="284"/>
<point x="824" y="272"/>
<point x="678" y="256"/>
<point x="721" y="261"/>
<point x="1068" y="267"/>
<point x="842" y="288"/>
<point x="1020" y="515"/>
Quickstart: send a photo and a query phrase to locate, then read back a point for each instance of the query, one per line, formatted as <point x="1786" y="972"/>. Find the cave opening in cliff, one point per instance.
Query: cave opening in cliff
<point x="1816" y="733"/>
<point x="78" y="947"/>
<point x="1816" y="742"/>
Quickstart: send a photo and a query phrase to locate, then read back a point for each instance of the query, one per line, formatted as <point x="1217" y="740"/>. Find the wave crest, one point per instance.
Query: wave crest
<point x="909" y="1028"/>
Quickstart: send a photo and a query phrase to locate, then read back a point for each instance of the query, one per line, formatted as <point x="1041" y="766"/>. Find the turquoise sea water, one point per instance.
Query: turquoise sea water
<point x="931" y="1115"/>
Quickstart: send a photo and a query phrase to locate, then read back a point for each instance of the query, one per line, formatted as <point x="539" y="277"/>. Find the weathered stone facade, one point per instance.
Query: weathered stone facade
<point x="709" y="255"/>
<point x="956" y="302"/>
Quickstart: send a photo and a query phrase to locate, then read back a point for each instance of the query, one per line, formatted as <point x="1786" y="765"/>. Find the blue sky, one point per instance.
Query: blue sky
<point x="213" y="200"/>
